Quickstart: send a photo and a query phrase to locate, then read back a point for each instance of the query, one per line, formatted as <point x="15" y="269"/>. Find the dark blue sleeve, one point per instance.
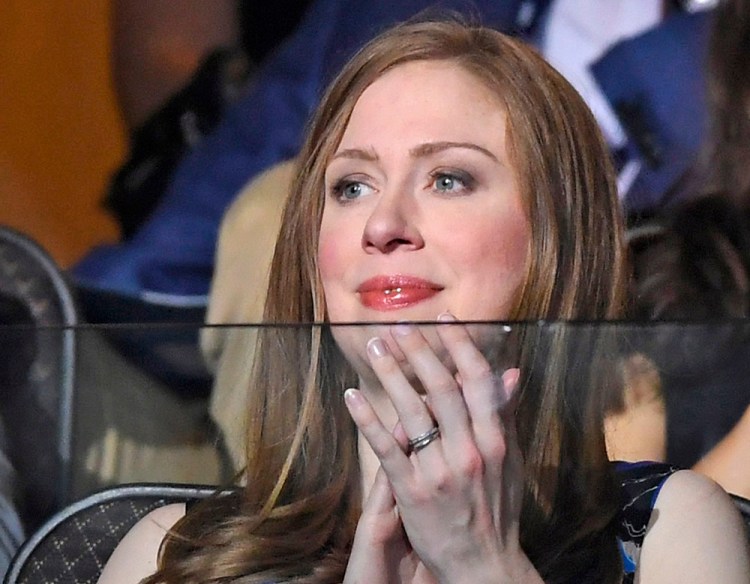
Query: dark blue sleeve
<point x="656" y="82"/>
<point x="170" y="259"/>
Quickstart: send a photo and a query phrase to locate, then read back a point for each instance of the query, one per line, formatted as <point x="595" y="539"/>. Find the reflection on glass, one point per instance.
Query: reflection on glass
<point x="685" y="381"/>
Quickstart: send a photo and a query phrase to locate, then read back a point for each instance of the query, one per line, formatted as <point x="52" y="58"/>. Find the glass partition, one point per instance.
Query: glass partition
<point x="93" y="405"/>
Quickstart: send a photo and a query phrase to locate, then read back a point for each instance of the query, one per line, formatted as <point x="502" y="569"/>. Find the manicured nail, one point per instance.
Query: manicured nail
<point x="446" y="317"/>
<point x="353" y="396"/>
<point x="376" y="347"/>
<point x="402" y="329"/>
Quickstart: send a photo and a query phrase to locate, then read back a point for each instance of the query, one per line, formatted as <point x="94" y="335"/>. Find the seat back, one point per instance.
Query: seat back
<point x="37" y="411"/>
<point x="75" y="544"/>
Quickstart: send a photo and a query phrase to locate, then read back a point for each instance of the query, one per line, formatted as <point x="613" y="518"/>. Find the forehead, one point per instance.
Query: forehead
<point x="424" y="99"/>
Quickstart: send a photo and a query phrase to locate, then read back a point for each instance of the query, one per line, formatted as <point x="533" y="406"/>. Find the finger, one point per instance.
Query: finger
<point x="471" y="365"/>
<point x="481" y="384"/>
<point x="412" y="412"/>
<point x="512" y="471"/>
<point x="400" y="435"/>
<point x="443" y="392"/>
<point x="380" y="497"/>
<point x="379" y="525"/>
<point x="511" y="381"/>
<point x="389" y="452"/>
<point x="483" y="391"/>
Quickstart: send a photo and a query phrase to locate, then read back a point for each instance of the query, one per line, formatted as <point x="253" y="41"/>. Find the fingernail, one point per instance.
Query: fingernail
<point x="446" y="317"/>
<point x="353" y="396"/>
<point x="376" y="347"/>
<point x="402" y="329"/>
<point x="510" y="381"/>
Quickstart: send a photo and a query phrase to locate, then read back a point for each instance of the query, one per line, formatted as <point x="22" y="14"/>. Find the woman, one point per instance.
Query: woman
<point x="448" y="173"/>
<point x="692" y="262"/>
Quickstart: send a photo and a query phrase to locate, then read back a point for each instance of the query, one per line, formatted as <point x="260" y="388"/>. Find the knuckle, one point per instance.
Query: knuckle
<point x="482" y="372"/>
<point x="415" y="408"/>
<point x="444" y="385"/>
<point x="442" y="480"/>
<point x="496" y="449"/>
<point x="419" y="495"/>
<point x="472" y="464"/>
<point x="418" y="416"/>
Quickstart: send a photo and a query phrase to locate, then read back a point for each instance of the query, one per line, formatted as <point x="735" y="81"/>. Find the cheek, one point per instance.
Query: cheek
<point x="493" y="250"/>
<point x="330" y="259"/>
<point x="492" y="268"/>
<point x="332" y="264"/>
<point x="512" y="248"/>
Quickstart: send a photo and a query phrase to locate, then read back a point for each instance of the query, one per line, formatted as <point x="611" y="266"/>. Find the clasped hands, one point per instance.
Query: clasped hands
<point x="444" y="507"/>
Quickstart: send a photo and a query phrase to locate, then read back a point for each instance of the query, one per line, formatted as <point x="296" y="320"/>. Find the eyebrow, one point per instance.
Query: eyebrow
<point x="357" y="154"/>
<point x="419" y="151"/>
<point x="434" y="147"/>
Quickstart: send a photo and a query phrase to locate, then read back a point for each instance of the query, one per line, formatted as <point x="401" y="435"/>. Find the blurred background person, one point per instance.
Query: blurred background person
<point x="692" y="263"/>
<point x="168" y="261"/>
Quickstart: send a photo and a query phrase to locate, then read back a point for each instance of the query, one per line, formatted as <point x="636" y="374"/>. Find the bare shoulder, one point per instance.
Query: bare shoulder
<point x="696" y="534"/>
<point x="136" y="555"/>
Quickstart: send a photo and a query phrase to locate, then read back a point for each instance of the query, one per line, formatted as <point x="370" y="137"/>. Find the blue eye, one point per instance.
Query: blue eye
<point x="351" y="190"/>
<point x="347" y="190"/>
<point x="452" y="182"/>
<point x="445" y="182"/>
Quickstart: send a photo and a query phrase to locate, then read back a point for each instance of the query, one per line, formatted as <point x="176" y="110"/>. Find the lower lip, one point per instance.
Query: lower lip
<point x="397" y="298"/>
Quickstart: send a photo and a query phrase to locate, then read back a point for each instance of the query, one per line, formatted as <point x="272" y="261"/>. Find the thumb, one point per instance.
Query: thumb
<point x="380" y="498"/>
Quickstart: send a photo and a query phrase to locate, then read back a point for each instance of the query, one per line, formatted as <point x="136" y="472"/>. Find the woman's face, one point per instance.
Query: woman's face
<point x="423" y="212"/>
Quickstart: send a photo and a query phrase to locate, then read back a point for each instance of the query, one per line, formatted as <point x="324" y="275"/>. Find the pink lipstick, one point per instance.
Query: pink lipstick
<point x="394" y="292"/>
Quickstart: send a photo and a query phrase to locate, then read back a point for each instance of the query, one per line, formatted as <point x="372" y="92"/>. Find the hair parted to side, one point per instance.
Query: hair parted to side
<point x="296" y="517"/>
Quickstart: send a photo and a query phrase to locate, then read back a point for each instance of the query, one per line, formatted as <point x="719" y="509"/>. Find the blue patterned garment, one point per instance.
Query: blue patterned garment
<point x="641" y="483"/>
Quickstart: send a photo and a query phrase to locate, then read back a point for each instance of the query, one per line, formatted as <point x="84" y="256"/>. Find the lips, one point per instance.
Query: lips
<point x="394" y="292"/>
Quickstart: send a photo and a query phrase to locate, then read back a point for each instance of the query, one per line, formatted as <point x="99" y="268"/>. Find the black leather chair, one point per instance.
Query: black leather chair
<point x="36" y="407"/>
<point x="74" y="544"/>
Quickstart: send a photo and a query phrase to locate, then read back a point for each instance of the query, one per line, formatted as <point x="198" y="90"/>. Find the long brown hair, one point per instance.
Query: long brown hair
<point x="727" y="146"/>
<point x="296" y="516"/>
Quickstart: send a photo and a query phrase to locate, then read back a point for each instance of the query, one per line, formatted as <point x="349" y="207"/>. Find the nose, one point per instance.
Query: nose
<point x="392" y="225"/>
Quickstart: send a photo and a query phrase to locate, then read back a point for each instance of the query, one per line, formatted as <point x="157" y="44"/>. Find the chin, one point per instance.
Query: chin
<point x="421" y="312"/>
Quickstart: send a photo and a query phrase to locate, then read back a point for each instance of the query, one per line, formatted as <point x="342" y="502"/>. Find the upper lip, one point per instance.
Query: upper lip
<point x="396" y="281"/>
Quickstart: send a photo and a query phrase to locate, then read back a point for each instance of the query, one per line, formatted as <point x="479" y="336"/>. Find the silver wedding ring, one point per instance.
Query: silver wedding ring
<point x="423" y="440"/>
